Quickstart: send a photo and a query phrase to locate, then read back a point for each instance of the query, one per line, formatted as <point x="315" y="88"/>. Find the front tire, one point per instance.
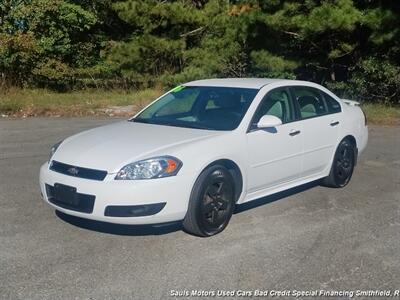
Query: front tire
<point x="211" y="203"/>
<point x="342" y="165"/>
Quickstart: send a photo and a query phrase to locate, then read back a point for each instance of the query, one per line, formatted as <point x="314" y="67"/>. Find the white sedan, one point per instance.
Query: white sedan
<point x="203" y="147"/>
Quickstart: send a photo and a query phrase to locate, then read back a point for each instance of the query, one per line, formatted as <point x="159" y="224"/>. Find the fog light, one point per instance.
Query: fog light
<point x="133" y="210"/>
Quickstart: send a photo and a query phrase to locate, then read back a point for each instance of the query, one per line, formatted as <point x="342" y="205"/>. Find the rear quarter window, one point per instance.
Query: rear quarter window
<point x="332" y="104"/>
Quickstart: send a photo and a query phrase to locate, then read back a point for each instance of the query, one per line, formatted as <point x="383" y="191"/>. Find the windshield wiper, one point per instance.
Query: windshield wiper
<point x="140" y="120"/>
<point x="168" y="123"/>
<point x="196" y="126"/>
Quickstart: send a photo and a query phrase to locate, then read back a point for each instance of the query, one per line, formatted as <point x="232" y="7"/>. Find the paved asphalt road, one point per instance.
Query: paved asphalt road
<point x="320" y="238"/>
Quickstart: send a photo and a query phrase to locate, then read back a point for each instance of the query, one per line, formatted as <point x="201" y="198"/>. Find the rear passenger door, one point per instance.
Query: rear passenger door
<point x="320" y="128"/>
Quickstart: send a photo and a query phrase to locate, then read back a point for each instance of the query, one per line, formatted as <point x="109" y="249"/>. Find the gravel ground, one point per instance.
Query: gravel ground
<point x="310" y="238"/>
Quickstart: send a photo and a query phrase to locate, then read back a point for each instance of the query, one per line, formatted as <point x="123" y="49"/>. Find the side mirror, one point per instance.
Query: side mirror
<point x="269" y="121"/>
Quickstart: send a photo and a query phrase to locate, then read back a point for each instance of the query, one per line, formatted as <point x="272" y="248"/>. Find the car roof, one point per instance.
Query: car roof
<point x="251" y="83"/>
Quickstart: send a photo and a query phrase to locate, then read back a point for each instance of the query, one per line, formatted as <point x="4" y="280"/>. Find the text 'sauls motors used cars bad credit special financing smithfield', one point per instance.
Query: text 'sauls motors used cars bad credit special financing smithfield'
<point x="202" y="148"/>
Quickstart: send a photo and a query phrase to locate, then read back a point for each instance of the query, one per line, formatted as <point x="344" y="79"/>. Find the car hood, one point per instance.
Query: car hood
<point x="112" y="146"/>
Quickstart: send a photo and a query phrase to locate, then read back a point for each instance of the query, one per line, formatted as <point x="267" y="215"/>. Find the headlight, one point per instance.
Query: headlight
<point x="54" y="149"/>
<point x="151" y="168"/>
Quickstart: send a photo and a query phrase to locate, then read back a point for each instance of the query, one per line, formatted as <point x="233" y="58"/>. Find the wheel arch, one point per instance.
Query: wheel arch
<point x="351" y="138"/>
<point x="235" y="171"/>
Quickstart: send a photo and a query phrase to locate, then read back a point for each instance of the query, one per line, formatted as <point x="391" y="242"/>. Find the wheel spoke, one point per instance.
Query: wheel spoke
<point x="346" y="171"/>
<point x="208" y="208"/>
<point x="343" y="171"/>
<point x="220" y="219"/>
<point x="213" y="191"/>
<point x="214" y="216"/>
<point x="344" y="153"/>
<point x="210" y="197"/>
<point x="223" y="204"/>
<point x="219" y="189"/>
<point x="339" y="163"/>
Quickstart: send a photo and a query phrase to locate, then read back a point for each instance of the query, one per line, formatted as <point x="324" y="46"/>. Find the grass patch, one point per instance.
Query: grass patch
<point x="382" y="114"/>
<point x="37" y="102"/>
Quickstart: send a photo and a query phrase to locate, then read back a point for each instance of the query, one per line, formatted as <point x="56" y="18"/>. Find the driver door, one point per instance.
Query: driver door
<point x="274" y="154"/>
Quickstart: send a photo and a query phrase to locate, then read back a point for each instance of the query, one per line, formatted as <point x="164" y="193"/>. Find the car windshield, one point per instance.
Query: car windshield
<point x="213" y="108"/>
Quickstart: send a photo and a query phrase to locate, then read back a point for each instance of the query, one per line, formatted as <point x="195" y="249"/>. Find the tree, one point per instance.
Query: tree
<point x="46" y="41"/>
<point x="352" y="46"/>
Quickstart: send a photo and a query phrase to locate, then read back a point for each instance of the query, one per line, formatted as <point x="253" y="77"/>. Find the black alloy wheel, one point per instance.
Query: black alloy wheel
<point x="343" y="165"/>
<point x="212" y="202"/>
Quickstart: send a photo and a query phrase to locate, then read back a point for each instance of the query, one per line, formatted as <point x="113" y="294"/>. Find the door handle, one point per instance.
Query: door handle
<point x="334" y="123"/>
<point x="294" y="132"/>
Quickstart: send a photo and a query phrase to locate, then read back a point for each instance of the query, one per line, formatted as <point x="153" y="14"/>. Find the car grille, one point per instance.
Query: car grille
<point x="67" y="197"/>
<point x="80" y="172"/>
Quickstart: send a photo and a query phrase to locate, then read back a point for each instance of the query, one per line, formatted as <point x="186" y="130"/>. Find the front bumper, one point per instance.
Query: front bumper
<point x="173" y="191"/>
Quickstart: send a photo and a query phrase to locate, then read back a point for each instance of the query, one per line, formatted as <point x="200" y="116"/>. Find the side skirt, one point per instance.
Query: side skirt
<point x="285" y="186"/>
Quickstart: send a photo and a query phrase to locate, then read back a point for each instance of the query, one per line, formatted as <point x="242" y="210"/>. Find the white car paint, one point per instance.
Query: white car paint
<point x="269" y="161"/>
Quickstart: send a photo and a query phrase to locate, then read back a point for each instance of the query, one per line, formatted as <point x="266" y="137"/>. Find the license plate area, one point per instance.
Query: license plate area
<point x="66" y="194"/>
<point x="67" y="197"/>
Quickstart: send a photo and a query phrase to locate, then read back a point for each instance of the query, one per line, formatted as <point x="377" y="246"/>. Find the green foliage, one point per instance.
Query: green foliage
<point x="374" y="80"/>
<point x="46" y="41"/>
<point x="352" y="46"/>
<point x="269" y="65"/>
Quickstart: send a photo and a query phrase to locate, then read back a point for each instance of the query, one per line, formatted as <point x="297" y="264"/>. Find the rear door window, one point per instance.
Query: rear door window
<point x="310" y="102"/>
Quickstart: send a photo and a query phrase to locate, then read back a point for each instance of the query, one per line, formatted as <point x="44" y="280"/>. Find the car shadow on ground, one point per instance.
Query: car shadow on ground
<point x="120" y="229"/>
<point x="160" y="229"/>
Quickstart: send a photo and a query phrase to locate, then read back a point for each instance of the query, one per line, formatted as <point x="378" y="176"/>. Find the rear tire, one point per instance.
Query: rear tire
<point x="342" y="165"/>
<point x="211" y="203"/>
